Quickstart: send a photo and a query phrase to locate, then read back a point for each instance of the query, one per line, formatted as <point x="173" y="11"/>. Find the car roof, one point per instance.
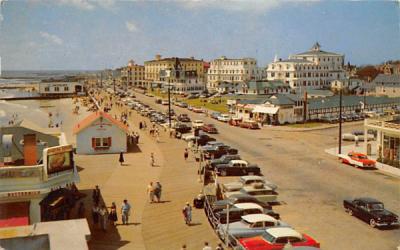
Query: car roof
<point x="368" y="200"/>
<point x="252" y="218"/>
<point x="248" y="205"/>
<point x="252" y="188"/>
<point x="251" y="177"/>
<point x="198" y="121"/>
<point x="283" y="232"/>
<point x="238" y="162"/>
<point x="356" y="153"/>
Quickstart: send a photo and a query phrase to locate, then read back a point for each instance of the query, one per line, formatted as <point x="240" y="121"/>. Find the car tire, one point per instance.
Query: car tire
<point x="372" y="223"/>
<point x="224" y="173"/>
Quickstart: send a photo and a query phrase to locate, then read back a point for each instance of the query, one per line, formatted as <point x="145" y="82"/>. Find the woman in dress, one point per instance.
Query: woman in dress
<point x="112" y="216"/>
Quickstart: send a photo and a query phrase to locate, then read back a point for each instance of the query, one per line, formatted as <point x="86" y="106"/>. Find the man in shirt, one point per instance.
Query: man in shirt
<point x="125" y="212"/>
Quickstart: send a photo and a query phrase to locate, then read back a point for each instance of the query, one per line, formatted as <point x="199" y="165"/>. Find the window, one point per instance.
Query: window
<point x="56" y="89"/>
<point x="47" y="89"/>
<point x="101" y="143"/>
<point x="66" y="88"/>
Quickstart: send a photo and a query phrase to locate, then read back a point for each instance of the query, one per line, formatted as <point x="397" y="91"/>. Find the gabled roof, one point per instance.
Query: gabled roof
<point x="382" y="78"/>
<point x="93" y="117"/>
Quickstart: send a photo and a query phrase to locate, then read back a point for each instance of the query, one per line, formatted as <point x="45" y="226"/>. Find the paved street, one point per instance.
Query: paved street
<point x="313" y="184"/>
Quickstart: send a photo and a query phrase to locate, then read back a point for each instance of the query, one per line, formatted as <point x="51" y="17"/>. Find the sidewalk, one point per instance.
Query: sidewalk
<point x="153" y="226"/>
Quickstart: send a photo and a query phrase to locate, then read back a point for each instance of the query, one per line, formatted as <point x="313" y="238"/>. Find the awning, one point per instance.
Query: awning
<point x="14" y="214"/>
<point x="265" y="110"/>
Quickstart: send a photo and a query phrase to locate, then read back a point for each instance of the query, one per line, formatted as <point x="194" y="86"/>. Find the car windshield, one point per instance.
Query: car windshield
<point x="362" y="157"/>
<point x="375" y="206"/>
<point x="268" y="237"/>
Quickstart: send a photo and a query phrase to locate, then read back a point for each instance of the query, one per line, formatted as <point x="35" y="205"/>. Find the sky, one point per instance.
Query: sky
<point x="90" y="35"/>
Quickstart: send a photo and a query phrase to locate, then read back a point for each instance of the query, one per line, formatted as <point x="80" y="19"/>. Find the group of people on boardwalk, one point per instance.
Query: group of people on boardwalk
<point x="154" y="192"/>
<point x="101" y="216"/>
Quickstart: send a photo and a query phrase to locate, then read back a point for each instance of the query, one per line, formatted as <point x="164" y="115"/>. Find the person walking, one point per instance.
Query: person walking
<point x="81" y="210"/>
<point x="125" y="212"/>
<point x="219" y="247"/>
<point x="121" y="158"/>
<point x="112" y="216"/>
<point x="157" y="191"/>
<point x="187" y="213"/>
<point x="95" y="214"/>
<point x="183" y="247"/>
<point x="207" y="246"/>
<point x="96" y="195"/>
<point x="150" y="192"/>
<point x="152" y="159"/>
<point x="140" y="125"/>
<point x="186" y="154"/>
<point x="103" y="218"/>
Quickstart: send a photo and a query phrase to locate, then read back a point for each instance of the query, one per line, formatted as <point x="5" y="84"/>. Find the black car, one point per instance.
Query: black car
<point x="235" y="214"/>
<point x="183" y="118"/>
<point x="219" y="151"/>
<point x="203" y="139"/>
<point x="237" y="168"/>
<point x="238" y="198"/>
<point x="225" y="159"/>
<point x="371" y="211"/>
<point x="182" y="128"/>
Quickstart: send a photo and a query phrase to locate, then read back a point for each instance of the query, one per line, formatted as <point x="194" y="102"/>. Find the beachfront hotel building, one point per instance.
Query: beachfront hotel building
<point x="232" y="71"/>
<point x="133" y="75"/>
<point x="61" y="89"/>
<point x="157" y="70"/>
<point x="314" y="69"/>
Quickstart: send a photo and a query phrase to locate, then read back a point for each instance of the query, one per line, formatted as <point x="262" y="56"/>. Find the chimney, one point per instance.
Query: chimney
<point x="30" y="151"/>
<point x="158" y="57"/>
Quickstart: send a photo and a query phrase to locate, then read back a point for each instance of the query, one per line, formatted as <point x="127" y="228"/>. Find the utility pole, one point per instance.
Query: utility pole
<point x="340" y="121"/>
<point x="169" y="106"/>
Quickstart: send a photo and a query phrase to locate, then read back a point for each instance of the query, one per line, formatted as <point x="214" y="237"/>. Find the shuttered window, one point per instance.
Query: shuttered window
<point x="101" y="143"/>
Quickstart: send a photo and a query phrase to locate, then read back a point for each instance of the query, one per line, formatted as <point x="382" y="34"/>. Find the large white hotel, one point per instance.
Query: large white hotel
<point x="311" y="69"/>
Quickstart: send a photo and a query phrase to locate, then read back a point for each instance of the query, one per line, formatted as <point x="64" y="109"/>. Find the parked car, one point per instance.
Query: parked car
<point x="236" y="212"/>
<point x="258" y="190"/>
<point x="211" y="146"/>
<point x="238" y="198"/>
<point x="234" y="121"/>
<point x="219" y="151"/>
<point x="249" y="226"/>
<point x="164" y="102"/>
<point x="225" y="159"/>
<point x="237" y="167"/>
<point x="209" y="128"/>
<point x="203" y="139"/>
<point x="248" y="180"/>
<point x="182" y="104"/>
<point x="249" y="124"/>
<point x="371" y="211"/>
<point x="358" y="160"/>
<point x="215" y="115"/>
<point x="182" y="128"/>
<point x="183" y="118"/>
<point x="224" y="118"/>
<point x="197" y="123"/>
<point x="158" y="100"/>
<point x="197" y="110"/>
<point x="276" y="238"/>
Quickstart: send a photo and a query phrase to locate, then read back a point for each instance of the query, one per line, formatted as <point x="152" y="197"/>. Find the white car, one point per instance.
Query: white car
<point x="197" y="123"/>
<point x="224" y="118"/>
<point x="246" y="181"/>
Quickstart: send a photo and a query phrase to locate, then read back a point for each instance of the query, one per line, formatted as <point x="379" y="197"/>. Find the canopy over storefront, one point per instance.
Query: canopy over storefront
<point x="266" y="110"/>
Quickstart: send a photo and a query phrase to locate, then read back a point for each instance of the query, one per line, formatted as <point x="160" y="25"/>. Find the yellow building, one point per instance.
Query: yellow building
<point x="133" y="75"/>
<point x="157" y="70"/>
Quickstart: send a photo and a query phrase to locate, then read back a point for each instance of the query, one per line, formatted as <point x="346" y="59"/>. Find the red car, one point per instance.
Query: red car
<point x="209" y="128"/>
<point x="234" y="121"/>
<point x="276" y="238"/>
<point x="358" y="160"/>
<point x="249" y="124"/>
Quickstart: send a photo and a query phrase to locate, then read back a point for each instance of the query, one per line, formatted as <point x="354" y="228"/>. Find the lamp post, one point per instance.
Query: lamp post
<point x="169" y="106"/>
<point x="340" y="120"/>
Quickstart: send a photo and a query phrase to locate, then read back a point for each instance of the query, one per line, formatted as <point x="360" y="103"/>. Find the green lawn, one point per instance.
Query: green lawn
<point x="306" y="125"/>
<point x="206" y="103"/>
